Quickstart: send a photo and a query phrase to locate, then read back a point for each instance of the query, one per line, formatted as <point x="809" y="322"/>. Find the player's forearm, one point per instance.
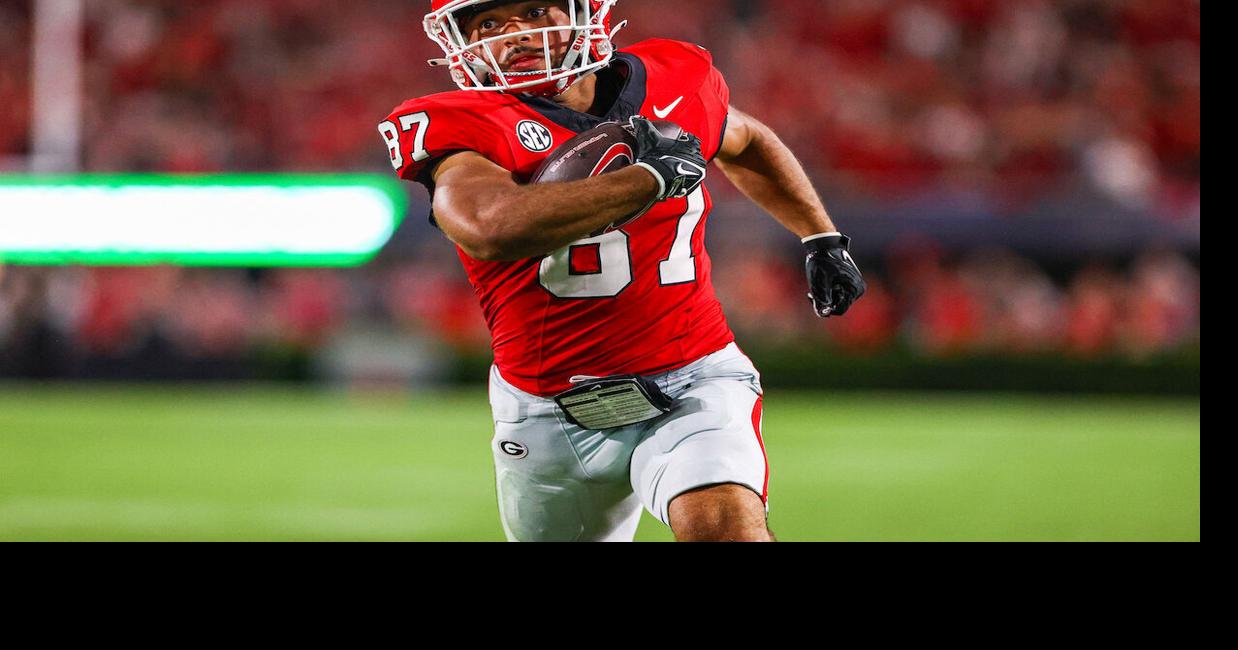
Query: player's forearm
<point x="768" y="173"/>
<point x="531" y="220"/>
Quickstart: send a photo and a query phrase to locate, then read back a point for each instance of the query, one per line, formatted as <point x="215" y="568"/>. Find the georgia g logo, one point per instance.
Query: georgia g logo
<point x="513" y="449"/>
<point x="534" y="136"/>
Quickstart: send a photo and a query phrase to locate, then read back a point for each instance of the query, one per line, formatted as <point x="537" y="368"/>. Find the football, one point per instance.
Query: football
<point x="605" y="148"/>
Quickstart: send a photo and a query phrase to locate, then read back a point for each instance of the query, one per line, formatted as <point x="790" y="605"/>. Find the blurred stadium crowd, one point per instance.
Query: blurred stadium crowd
<point x="1018" y="94"/>
<point x="195" y="322"/>
<point x="1006" y="104"/>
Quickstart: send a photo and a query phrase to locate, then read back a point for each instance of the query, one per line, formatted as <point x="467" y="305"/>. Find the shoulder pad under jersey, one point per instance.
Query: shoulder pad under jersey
<point x="421" y="132"/>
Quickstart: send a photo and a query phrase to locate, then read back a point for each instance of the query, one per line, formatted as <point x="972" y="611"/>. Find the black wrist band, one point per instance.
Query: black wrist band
<point x="828" y="243"/>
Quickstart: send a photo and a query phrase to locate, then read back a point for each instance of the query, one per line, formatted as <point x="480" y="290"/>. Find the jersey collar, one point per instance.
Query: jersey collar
<point x="629" y="102"/>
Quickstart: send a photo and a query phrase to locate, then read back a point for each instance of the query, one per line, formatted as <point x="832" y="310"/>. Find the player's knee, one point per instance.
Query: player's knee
<point x="719" y="513"/>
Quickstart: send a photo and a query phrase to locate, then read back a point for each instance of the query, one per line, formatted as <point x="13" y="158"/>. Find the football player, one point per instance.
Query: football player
<point x="616" y="381"/>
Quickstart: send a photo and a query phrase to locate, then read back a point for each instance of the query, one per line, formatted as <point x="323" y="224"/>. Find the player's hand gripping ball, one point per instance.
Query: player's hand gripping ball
<point x="672" y="154"/>
<point x="834" y="280"/>
<point x="612" y="146"/>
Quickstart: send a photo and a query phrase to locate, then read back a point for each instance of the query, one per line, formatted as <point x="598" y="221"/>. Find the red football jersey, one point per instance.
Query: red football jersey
<point x="635" y="300"/>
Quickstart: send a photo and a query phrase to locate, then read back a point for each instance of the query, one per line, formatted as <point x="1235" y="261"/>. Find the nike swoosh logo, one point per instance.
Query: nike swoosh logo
<point x="663" y="112"/>
<point x="689" y="170"/>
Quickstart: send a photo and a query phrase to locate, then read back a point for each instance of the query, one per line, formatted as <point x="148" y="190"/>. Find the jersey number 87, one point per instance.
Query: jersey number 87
<point x="392" y="135"/>
<point x="614" y="252"/>
<point x="615" y="260"/>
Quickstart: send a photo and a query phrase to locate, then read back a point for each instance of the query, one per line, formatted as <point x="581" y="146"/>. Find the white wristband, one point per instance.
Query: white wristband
<point x="820" y="236"/>
<point x="661" y="183"/>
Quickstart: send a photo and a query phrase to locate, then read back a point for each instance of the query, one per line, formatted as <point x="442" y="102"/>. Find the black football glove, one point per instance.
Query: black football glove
<point x="834" y="281"/>
<point x="677" y="163"/>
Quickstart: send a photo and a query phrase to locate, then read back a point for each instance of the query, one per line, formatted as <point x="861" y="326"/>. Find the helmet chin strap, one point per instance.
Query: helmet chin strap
<point x="562" y="85"/>
<point x="582" y="39"/>
<point x="567" y="83"/>
<point x="615" y="30"/>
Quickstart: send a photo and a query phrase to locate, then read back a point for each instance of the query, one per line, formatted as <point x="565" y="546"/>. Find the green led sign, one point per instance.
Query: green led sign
<point x="219" y="220"/>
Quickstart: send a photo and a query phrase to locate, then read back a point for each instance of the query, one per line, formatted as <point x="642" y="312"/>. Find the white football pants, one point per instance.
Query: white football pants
<point x="559" y="482"/>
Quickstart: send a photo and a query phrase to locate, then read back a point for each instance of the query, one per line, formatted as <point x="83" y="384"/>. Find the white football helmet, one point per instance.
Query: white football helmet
<point x="474" y="67"/>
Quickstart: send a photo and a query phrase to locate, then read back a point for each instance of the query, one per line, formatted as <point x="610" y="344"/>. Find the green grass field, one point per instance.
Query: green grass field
<point x="232" y="463"/>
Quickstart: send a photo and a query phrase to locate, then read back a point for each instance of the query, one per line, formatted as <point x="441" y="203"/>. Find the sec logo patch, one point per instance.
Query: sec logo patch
<point x="534" y="136"/>
<point x="513" y="449"/>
